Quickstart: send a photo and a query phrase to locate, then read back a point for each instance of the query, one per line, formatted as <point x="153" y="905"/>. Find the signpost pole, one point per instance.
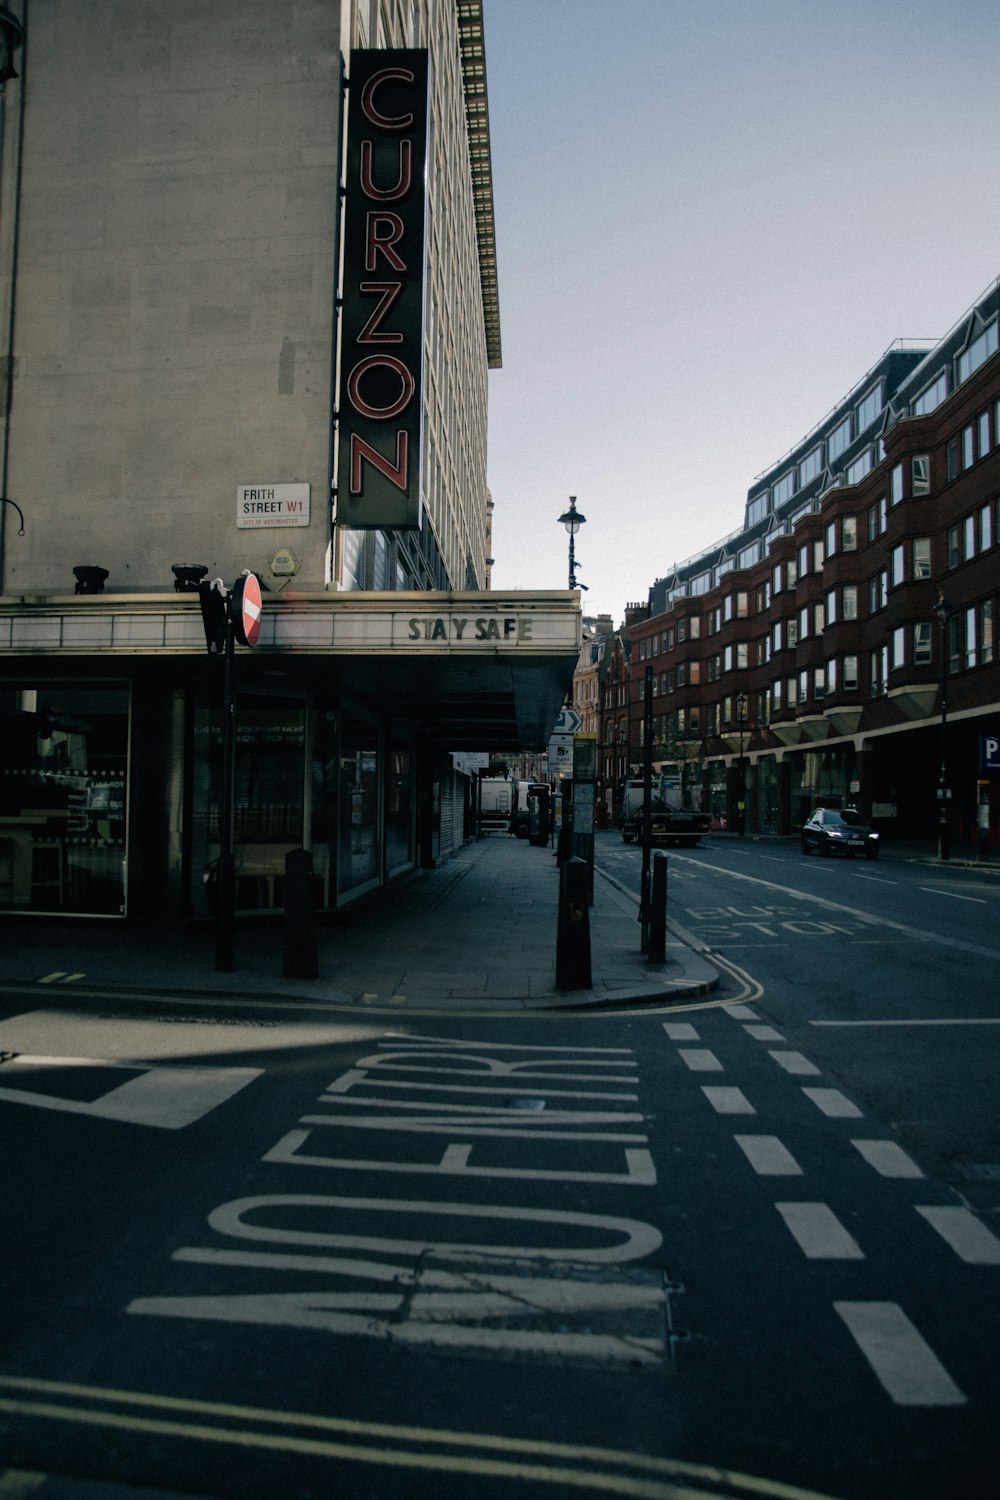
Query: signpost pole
<point x="645" y="902"/>
<point x="227" y="882"/>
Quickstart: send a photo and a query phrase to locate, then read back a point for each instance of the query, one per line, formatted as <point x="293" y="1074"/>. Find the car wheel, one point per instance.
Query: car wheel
<point x="806" y="847"/>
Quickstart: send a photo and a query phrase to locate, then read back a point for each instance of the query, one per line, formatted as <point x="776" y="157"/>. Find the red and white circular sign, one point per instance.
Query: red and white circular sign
<point x="247" y="606"/>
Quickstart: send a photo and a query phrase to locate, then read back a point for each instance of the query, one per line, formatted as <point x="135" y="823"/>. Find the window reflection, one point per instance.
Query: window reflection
<point x="63" y="764"/>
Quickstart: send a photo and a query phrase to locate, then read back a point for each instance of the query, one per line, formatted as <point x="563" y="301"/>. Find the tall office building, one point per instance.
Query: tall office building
<point x="249" y="302"/>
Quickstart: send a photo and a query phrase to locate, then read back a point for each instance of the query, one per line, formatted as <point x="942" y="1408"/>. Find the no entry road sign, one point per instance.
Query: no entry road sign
<point x="246" y="606"/>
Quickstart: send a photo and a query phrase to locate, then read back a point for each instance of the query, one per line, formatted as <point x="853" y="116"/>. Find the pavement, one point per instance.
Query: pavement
<point x="478" y="932"/>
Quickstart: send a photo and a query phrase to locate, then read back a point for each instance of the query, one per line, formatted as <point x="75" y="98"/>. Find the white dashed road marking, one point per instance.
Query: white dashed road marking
<point x="728" y="1101"/>
<point x="888" y="1159"/>
<point x="795" y="1062"/>
<point x="680" y="1031"/>
<point x="767" y="1156"/>
<point x="906" y="1366"/>
<point x="834" y="1104"/>
<point x="701" y="1060"/>
<point x="819" y="1232"/>
<point x="968" y="1237"/>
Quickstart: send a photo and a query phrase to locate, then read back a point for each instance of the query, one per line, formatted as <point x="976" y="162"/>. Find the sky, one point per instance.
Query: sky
<point x="713" y="217"/>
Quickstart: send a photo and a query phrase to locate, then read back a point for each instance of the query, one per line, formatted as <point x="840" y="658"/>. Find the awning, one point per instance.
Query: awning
<point x="462" y="671"/>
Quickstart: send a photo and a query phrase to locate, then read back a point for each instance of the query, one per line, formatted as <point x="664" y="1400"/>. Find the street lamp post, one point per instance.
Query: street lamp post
<point x="944" y="612"/>
<point x="572" y="519"/>
<point x="741" y="720"/>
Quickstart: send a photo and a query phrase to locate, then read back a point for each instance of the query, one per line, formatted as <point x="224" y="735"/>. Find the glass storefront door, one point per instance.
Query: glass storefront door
<point x="357" y="855"/>
<point x="63" y="782"/>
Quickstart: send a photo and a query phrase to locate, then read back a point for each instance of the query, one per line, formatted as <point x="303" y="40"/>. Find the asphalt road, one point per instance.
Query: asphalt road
<point x="749" y="1246"/>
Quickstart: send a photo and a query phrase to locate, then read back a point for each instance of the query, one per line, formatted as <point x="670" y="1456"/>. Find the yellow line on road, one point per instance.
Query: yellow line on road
<point x="542" y="1462"/>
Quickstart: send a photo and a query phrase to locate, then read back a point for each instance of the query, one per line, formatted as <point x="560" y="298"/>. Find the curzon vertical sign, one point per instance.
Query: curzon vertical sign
<point x="380" y="405"/>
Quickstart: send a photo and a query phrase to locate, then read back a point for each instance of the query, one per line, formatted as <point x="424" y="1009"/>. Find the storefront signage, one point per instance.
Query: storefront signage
<point x="465" y="627"/>
<point x="380" y="405"/>
<point x="259" y="505"/>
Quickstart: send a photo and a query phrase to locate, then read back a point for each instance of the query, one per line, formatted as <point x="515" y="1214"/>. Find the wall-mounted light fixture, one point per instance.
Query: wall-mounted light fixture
<point x="187" y="576"/>
<point x="89" y="580"/>
<point x="11" y="37"/>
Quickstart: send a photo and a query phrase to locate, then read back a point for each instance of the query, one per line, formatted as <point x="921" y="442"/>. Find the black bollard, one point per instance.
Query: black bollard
<point x="573" y="937"/>
<point x="657" y="952"/>
<point x="300" y="958"/>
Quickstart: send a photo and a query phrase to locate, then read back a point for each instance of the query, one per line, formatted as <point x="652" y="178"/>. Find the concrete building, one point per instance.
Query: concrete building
<point x="841" y="646"/>
<point x="209" y="372"/>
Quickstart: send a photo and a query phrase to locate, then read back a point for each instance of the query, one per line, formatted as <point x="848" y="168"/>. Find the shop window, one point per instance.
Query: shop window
<point x="268" y="802"/>
<point x="63" y="770"/>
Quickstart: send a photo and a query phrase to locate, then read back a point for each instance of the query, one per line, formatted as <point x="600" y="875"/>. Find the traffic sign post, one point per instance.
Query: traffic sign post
<point x="228" y="616"/>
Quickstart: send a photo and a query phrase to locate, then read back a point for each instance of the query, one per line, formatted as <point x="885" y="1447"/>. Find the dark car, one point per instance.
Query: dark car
<point x="667" y="825"/>
<point x="839" y="831"/>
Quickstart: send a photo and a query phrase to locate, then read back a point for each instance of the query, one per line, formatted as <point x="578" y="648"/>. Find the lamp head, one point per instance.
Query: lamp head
<point x="572" y="519"/>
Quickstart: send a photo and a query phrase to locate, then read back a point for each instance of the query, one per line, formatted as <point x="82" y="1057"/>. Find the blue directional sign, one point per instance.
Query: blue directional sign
<point x="989" y="752"/>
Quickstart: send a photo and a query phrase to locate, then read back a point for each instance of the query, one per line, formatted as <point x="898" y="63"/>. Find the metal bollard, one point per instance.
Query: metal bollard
<point x="300" y="956"/>
<point x="573" y="936"/>
<point x="657" y="953"/>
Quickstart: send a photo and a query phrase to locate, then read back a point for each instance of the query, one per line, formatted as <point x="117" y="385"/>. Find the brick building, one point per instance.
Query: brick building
<point x="842" y="646"/>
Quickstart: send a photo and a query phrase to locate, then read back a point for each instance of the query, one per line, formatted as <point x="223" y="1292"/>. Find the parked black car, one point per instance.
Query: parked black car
<point x="839" y="831"/>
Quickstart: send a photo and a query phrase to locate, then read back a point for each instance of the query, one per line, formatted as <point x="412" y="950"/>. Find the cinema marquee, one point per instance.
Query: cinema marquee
<point x="380" y="405"/>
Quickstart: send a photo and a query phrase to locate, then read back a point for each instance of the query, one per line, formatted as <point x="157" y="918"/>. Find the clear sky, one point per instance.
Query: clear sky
<point x="713" y="217"/>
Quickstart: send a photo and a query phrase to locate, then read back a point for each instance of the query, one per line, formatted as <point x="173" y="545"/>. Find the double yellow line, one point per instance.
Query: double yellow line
<point x="604" y="1470"/>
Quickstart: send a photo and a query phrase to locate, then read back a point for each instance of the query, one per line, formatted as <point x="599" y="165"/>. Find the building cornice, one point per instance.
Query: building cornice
<point x="477" y="114"/>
